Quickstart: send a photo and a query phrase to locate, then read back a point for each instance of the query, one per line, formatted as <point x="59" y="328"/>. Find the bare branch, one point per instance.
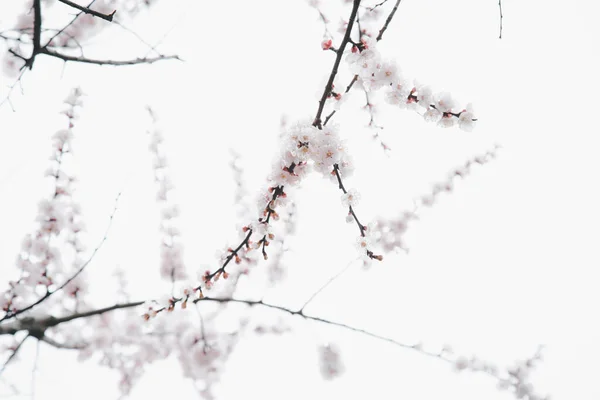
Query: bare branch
<point x="87" y="10"/>
<point x="333" y="278"/>
<point x="136" y="61"/>
<point x="58" y="345"/>
<point x="388" y="20"/>
<point x="37" y="32"/>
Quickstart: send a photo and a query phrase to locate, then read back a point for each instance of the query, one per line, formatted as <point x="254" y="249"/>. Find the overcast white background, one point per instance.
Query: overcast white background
<point x="505" y="263"/>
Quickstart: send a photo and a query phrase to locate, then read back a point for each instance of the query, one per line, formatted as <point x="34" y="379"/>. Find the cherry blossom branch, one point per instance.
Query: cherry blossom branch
<point x="87" y="10"/>
<point x="369" y="107"/>
<point x="329" y="86"/>
<point x="171" y="249"/>
<point x="388" y="20"/>
<point x="389" y="233"/>
<point x="377" y="5"/>
<point x="350" y="198"/>
<point x="12" y="314"/>
<point x="69" y="24"/>
<point x="514" y="378"/>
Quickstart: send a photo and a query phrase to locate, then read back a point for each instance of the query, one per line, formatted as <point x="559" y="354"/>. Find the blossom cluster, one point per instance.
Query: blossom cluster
<point x="53" y="251"/>
<point x="330" y="361"/>
<point x="373" y="73"/>
<point x="171" y="249"/>
<point x="515" y="378"/>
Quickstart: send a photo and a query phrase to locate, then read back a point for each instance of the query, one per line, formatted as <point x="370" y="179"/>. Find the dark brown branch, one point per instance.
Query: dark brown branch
<point x="85" y="60"/>
<point x="377" y="5"/>
<point x="87" y="10"/>
<point x="388" y="20"/>
<point x="361" y="227"/>
<point x="50" y="322"/>
<point x="317" y="121"/>
<point x="37" y="32"/>
<point x="352" y="82"/>
<point x="300" y="312"/>
<point x="69" y="24"/>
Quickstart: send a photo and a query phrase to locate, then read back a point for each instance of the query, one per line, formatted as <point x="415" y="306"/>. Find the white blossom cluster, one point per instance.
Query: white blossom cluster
<point x="126" y="344"/>
<point x="373" y="72"/>
<point x="330" y="361"/>
<point x="172" y="267"/>
<point x="515" y="379"/>
<point x="52" y="253"/>
<point x="304" y="147"/>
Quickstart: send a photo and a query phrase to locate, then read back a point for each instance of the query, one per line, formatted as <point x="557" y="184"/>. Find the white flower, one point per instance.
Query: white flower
<point x="465" y="120"/>
<point x="363" y="243"/>
<point x="461" y="363"/>
<point x="398" y="94"/>
<point x="350" y="198"/>
<point x="357" y="59"/>
<point x="445" y="102"/>
<point x="386" y="75"/>
<point x="424" y="95"/>
<point x="330" y="362"/>
<point x="447" y="122"/>
<point x="432" y="115"/>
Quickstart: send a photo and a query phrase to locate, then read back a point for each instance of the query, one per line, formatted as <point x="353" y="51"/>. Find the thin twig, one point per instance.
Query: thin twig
<point x="69" y="24"/>
<point x="87" y="10"/>
<point x="37" y="32"/>
<point x="500" y="8"/>
<point x="333" y="278"/>
<point x="13" y="355"/>
<point x="388" y="20"/>
<point x="85" y="60"/>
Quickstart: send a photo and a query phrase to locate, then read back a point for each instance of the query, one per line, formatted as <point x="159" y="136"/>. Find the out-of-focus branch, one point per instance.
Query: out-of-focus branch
<point x="13" y="354"/>
<point x="50" y="322"/>
<point x="317" y="122"/>
<point x="87" y="10"/>
<point x="10" y="315"/>
<point x="500" y="9"/>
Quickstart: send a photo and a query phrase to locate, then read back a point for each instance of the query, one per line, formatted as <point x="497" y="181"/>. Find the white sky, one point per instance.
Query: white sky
<point x="506" y="262"/>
